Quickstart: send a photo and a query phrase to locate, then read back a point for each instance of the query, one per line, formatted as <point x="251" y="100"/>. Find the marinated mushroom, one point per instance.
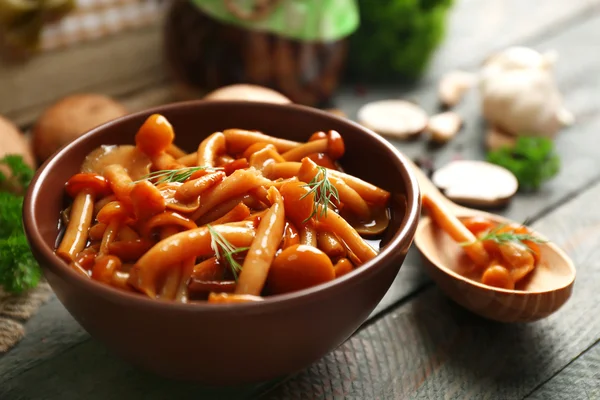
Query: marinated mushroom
<point x="299" y="267"/>
<point x="84" y="189"/>
<point x="136" y="163"/>
<point x="332" y="145"/>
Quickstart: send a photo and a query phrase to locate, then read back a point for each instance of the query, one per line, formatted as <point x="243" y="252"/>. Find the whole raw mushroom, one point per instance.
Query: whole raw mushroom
<point x="12" y="141"/>
<point x="71" y="117"/>
<point x="246" y="92"/>
<point x="519" y="94"/>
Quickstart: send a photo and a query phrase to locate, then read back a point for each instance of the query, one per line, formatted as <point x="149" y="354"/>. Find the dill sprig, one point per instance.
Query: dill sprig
<point x="324" y="191"/>
<point x="175" y="175"/>
<point x="225" y="250"/>
<point x="508" y="236"/>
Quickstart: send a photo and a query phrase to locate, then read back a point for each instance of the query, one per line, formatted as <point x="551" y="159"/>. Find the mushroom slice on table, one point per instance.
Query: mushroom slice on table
<point x="476" y="183"/>
<point x="453" y="86"/>
<point x="443" y="127"/>
<point x="395" y="118"/>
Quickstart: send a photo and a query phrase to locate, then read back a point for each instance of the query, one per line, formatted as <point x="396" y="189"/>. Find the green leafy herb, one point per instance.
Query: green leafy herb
<point x="20" y="174"/>
<point x="225" y="251"/>
<point x="18" y="269"/>
<point x="176" y="175"/>
<point x="532" y="160"/>
<point x="324" y="191"/>
<point x="500" y="236"/>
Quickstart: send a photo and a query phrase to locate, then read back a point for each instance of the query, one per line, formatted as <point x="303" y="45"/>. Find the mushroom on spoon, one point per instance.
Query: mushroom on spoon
<point x="540" y="293"/>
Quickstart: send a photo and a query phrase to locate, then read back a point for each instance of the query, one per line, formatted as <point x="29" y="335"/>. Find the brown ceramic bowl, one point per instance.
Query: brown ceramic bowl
<point x="239" y="343"/>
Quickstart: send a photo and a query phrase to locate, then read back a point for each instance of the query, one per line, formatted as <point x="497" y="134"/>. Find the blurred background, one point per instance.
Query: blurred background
<point x="322" y="53"/>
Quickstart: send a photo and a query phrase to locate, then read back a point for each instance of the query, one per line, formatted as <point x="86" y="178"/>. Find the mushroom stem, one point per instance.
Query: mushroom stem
<point x="298" y="153"/>
<point x="80" y="221"/>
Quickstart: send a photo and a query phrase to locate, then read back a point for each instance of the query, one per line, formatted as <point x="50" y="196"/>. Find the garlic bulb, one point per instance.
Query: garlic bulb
<point x="519" y="94"/>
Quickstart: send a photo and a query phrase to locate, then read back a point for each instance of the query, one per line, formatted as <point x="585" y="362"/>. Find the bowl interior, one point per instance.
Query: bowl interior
<point x="367" y="156"/>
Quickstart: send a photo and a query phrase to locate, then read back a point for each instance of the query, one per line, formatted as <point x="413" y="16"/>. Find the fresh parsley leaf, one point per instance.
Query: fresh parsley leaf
<point x="21" y="173"/>
<point x="532" y="160"/>
<point x="11" y="207"/>
<point x="18" y="269"/>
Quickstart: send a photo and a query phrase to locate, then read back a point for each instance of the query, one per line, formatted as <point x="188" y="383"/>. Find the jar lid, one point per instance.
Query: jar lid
<point x="306" y="20"/>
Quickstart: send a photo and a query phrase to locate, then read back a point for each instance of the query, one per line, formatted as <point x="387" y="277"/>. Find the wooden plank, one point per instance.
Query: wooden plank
<point x="90" y="372"/>
<point x="577" y="77"/>
<point x="579" y="380"/>
<point x="49" y="333"/>
<point x="115" y="65"/>
<point x="409" y="278"/>
<point x="477" y="27"/>
<point x="432" y="348"/>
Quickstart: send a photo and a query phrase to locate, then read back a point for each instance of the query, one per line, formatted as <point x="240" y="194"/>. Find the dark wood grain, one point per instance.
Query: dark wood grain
<point x="579" y="380"/>
<point x="576" y="74"/>
<point x="431" y="348"/>
<point x="90" y="372"/>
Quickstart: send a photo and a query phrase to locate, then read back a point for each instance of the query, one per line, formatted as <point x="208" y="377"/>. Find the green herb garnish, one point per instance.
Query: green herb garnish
<point x="324" y="191"/>
<point x="175" y="175"/>
<point x="507" y="236"/>
<point x="532" y="160"/>
<point x="225" y="251"/>
<point x="21" y="174"/>
<point x="18" y="269"/>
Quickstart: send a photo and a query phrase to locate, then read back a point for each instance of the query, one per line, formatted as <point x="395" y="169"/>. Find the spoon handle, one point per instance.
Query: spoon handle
<point x="428" y="188"/>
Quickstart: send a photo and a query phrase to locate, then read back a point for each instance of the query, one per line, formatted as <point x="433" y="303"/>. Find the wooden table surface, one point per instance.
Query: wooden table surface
<point x="417" y="343"/>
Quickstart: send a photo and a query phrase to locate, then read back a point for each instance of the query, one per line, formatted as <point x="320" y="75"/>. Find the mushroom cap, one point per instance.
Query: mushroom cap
<point x="155" y="135"/>
<point x="335" y="145"/>
<point x="112" y="210"/>
<point x="298" y="267"/>
<point x="86" y="180"/>
<point x="317" y="136"/>
<point x="71" y="117"/>
<point x="247" y="92"/>
<point x="12" y="141"/>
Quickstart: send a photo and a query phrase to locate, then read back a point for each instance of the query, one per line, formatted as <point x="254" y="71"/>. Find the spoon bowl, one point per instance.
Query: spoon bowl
<point x="538" y="295"/>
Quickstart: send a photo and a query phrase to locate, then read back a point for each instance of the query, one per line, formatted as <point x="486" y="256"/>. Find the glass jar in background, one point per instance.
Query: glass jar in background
<point x="297" y="47"/>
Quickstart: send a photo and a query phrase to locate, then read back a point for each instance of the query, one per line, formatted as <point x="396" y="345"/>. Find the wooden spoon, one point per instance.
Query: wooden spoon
<point x="540" y="294"/>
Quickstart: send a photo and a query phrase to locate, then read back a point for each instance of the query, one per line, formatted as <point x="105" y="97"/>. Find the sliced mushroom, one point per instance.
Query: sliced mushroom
<point x="453" y="86"/>
<point x="396" y="118"/>
<point x="443" y="127"/>
<point x="136" y="163"/>
<point x="476" y="183"/>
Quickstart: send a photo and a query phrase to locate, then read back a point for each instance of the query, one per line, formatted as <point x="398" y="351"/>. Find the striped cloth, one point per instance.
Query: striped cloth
<point x="93" y="19"/>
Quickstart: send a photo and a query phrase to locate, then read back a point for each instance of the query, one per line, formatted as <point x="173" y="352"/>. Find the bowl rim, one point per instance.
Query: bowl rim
<point x="403" y="238"/>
